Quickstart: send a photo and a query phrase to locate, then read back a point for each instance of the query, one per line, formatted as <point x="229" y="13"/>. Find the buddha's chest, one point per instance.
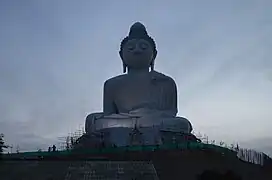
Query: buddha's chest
<point x="134" y="90"/>
<point x="137" y="93"/>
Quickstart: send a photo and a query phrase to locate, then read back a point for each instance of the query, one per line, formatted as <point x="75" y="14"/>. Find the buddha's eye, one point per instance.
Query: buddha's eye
<point x="144" y="45"/>
<point x="130" y="46"/>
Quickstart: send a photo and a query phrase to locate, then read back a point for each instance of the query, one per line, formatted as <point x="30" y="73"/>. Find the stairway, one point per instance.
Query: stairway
<point x="111" y="170"/>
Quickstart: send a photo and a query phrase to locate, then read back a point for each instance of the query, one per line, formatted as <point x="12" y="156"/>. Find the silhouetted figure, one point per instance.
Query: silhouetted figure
<point x="49" y="149"/>
<point x="54" y="148"/>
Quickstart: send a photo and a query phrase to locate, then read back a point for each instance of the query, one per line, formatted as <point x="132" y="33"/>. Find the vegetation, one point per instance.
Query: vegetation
<point x="2" y="145"/>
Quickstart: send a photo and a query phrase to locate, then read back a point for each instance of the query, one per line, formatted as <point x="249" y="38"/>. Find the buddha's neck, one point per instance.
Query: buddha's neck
<point x="143" y="71"/>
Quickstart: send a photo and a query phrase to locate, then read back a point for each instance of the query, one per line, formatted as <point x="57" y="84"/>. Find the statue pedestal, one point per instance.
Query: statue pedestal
<point x="122" y="136"/>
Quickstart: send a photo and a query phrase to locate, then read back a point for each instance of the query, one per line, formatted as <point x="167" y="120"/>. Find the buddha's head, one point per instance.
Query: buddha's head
<point x="138" y="49"/>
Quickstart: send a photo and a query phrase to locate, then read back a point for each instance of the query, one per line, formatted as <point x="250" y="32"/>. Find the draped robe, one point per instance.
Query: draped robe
<point x="139" y="100"/>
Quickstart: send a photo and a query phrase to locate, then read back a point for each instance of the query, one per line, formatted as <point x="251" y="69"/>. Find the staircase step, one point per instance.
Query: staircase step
<point x="111" y="170"/>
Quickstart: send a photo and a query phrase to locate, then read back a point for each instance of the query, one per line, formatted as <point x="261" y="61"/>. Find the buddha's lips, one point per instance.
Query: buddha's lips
<point x="137" y="53"/>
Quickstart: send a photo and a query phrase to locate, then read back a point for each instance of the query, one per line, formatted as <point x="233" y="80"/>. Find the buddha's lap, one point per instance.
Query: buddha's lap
<point x="98" y="121"/>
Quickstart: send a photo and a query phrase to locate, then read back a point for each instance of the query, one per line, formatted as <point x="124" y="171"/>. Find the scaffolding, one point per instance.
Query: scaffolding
<point x="67" y="142"/>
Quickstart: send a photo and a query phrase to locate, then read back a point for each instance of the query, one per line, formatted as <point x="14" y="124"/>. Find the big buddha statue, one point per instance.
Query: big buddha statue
<point x="141" y="97"/>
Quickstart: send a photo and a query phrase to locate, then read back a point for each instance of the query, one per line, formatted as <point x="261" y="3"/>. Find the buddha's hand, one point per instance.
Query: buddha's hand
<point x="95" y="116"/>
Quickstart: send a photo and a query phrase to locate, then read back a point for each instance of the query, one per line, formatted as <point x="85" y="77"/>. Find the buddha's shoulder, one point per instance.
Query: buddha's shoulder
<point x="123" y="78"/>
<point x="115" y="80"/>
<point x="162" y="77"/>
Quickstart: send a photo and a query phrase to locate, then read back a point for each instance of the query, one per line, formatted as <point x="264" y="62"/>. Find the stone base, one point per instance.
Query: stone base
<point x="111" y="170"/>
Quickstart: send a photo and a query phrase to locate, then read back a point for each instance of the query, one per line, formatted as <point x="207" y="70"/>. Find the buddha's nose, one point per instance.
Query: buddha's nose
<point x="137" y="51"/>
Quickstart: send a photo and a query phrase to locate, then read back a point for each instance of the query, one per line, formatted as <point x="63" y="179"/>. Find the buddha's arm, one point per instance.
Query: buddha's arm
<point x="171" y="102"/>
<point x="109" y="106"/>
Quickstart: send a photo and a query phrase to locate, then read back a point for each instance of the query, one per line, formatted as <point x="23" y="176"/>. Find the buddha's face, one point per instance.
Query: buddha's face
<point x="137" y="53"/>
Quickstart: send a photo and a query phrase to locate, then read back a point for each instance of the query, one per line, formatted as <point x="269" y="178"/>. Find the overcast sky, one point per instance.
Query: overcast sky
<point x="56" y="54"/>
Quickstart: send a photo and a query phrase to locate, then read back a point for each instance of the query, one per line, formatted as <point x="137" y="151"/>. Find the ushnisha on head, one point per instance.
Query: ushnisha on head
<point x="138" y="49"/>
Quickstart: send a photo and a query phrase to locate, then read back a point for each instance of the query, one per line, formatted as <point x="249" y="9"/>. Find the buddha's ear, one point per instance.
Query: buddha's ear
<point x="124" y="65"/>
<point x="121" y="54"/>
<point x="154" y="55"/>
<point x="152" y="65"/>
<point x="124" y="68"/>
<point x="153" y="60"/>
